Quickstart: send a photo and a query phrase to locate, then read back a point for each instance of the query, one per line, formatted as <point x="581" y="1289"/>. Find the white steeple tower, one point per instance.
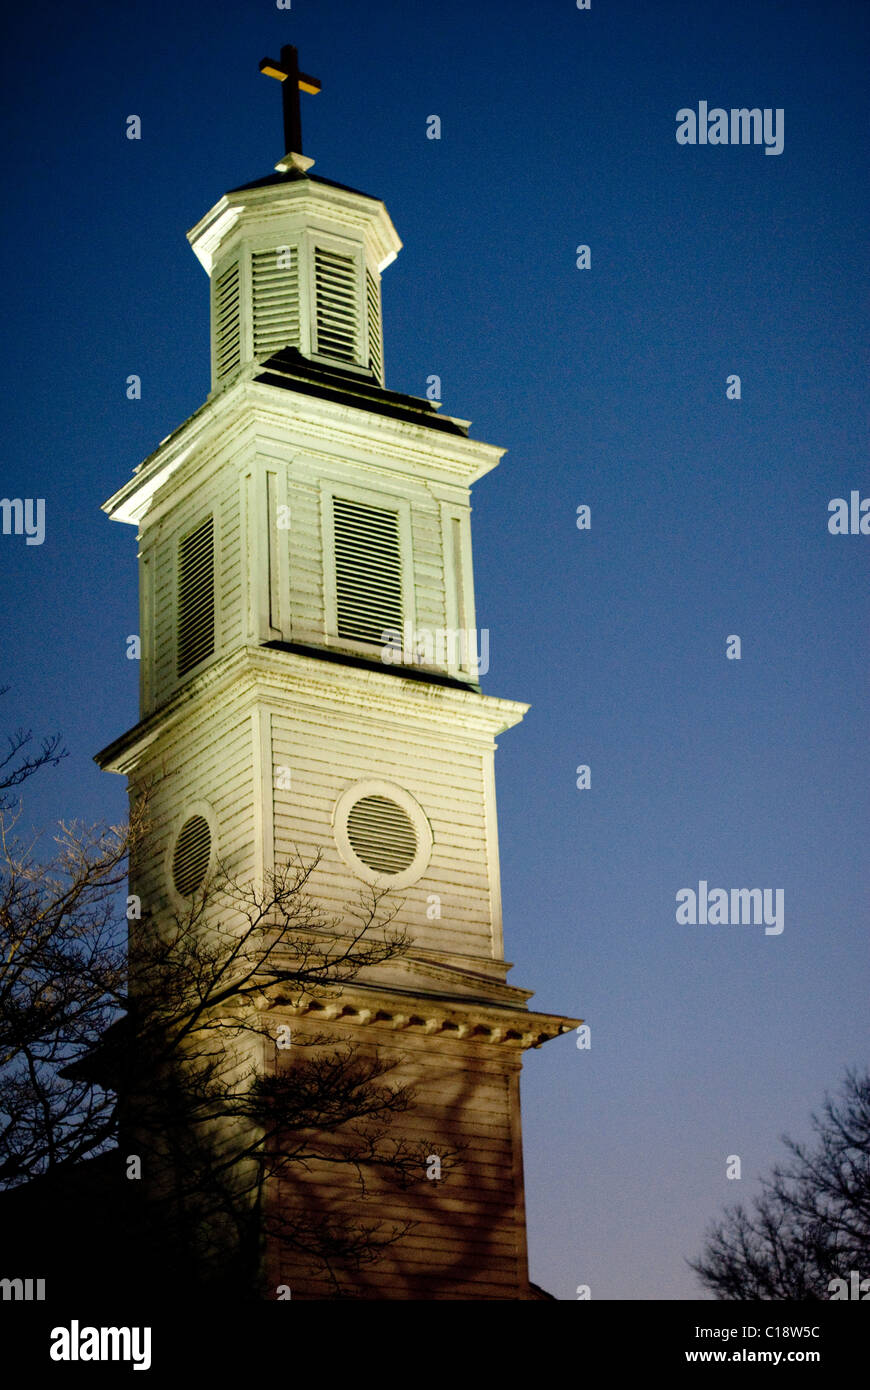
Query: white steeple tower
<point x="305" y="570"/>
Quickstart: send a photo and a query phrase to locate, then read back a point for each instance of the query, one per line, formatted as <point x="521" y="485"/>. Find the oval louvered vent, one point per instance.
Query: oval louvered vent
<point x="337" y="315"/>
<point x="381" y="834"/>
<point x="373" y="309"/>
<point x="227" y="323"/>
<point x="191" y="857"/>
<point x="368" y="570"/>
<point x="275" y="276"/>
<point x="196" y="597"/>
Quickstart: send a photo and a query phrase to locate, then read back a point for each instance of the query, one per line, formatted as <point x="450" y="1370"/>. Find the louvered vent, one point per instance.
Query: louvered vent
<point x="227" y="323"/>
<point x="337" y="316"/>
<point x="381" y="834"/>
<point x="275" y="276"/>
<point x="196" y="597"/>
<point x="191" y="857"/>
<point x="373" y="308"/>
<point x="368" y="570"/>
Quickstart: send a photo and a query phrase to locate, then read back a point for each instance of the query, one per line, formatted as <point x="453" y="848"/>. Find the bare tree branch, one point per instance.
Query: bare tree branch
<point x="811" y="1223"/>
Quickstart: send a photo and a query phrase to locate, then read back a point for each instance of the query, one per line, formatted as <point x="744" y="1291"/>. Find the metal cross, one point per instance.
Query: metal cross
<point x="293" y="82"/>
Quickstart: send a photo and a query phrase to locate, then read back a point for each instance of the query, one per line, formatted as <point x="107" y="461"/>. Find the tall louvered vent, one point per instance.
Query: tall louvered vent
<point x="337" y="315"/>
<point x="275" y="276"/>
<point x="191" y="858"/>
<point x="381" y="834"/>
<point x="196" y="597"/>
<point x="227" y="322"/>
<point x="368" y="570"/>
<point x="373" y="308"/>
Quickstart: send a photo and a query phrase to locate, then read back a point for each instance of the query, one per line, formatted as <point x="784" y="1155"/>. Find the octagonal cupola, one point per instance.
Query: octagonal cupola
<point x="295" y="261"/>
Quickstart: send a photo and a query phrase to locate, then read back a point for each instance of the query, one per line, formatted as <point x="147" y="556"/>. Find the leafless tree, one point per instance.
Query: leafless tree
<point x="811" y="1223"/>
<point x="200" y="992"/>
<point x="19" y="760"/>
<point x="146" y="1038"/>
<point x="61" y="974"/>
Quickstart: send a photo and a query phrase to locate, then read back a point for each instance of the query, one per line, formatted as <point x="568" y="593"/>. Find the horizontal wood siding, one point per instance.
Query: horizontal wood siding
<point x="208" y="758"/>
<point x="429" y="561"/>
<point x="466" y="1239"/>
<point x="448" y="785"/>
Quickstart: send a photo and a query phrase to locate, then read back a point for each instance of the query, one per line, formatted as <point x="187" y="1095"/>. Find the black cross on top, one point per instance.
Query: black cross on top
<point x="293" y="82"/>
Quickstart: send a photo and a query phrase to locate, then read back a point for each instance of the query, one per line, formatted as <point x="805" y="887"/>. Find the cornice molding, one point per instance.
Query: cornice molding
<point x="262" y="675"/>
<point x="313" y="423"/>
<point x="242" y="210"/>
<point x="471" y="1021"/>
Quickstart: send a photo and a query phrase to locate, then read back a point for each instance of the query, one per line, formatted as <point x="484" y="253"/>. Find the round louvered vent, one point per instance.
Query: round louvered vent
<point x="381" y="834"/>
<point x="191" y="857"/>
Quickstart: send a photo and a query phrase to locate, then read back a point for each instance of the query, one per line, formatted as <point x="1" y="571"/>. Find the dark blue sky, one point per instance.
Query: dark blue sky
<point x="709" y="517"/>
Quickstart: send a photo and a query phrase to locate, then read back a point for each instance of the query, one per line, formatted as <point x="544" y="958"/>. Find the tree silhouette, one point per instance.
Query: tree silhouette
<point x="810" y="1226"/>
<point x="147" y="1101"/>
<point x="213" y="1127"/>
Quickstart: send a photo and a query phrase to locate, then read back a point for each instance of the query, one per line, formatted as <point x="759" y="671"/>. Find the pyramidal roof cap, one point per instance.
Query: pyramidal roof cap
<point x="293" y="177"/>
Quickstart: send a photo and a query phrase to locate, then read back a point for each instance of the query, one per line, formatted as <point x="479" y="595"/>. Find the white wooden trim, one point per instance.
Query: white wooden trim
<point x="264" y="793"/>
<point x="254" y="525"/>
<point x="246" y="317"/>
<point x="284" y="540"/>
<point x="147" y="643"/>
<point x="458" y="597"/>
<point x="272" y="535"/>
<point x="492" y="857"/>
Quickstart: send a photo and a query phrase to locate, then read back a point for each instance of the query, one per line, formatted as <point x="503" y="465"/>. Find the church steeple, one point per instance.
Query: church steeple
<point x="295" y="261"/>
<point x="309" y="678"/>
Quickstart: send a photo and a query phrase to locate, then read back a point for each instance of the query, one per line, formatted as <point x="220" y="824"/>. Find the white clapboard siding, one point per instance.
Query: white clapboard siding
<point x="211" y="761"/>
<point x="466" y="1236"/>
<point x="449" y="788"/>
<point x="429" y="566"/>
